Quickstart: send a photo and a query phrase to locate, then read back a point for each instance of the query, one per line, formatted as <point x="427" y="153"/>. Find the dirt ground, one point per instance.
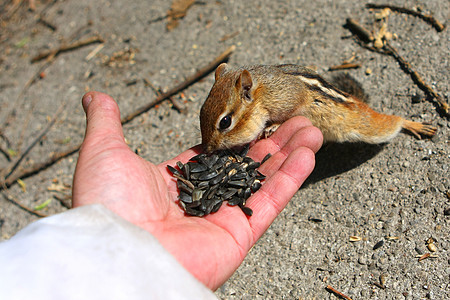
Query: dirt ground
<point x="396" y="194"/>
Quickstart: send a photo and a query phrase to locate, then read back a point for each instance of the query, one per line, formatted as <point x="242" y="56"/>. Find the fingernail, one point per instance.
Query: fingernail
<point x="85" y="101"/>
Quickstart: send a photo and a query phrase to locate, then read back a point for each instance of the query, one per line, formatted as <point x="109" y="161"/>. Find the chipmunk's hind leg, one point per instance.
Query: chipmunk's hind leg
<point x="419" y="129"/>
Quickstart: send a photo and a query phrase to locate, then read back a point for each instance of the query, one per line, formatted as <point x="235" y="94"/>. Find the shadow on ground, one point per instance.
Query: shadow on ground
<point x="334" y="159"/>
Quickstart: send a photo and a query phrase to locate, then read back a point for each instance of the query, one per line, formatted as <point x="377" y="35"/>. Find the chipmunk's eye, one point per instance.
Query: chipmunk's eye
<point x="225" y="122"/>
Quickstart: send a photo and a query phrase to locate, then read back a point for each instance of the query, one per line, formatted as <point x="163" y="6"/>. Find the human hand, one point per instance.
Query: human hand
<point x="211" y="248"/>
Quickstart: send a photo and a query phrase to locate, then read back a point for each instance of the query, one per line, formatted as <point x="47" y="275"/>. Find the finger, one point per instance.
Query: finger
<point x="309" y="137"/>
<point x="103" y="120"/>
<point x="103" y="132"/>
<point x="276" y="192"/>
<point x="283" y="135"/>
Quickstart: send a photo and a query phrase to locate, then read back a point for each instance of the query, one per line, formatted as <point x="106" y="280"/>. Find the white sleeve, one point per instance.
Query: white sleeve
<point x="91" y="253"/>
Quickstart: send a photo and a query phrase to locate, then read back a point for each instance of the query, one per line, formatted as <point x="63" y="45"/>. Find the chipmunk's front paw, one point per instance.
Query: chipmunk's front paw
<point x="268" y="131"/>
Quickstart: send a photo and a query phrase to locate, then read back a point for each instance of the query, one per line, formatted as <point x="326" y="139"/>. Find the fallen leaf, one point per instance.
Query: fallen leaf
<point x="22" y="185"/>
<point x="58" y="187"/>
<point x="43" y="205"/>
<point x="177" y="11"/>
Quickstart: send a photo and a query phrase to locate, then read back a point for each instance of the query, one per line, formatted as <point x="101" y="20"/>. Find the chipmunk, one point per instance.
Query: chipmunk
<point x="244" y="104"/>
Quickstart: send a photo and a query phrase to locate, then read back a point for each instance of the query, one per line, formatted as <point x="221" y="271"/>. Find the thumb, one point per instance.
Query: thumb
<point x="102" y="139"/>
<point x="103" y="124"/>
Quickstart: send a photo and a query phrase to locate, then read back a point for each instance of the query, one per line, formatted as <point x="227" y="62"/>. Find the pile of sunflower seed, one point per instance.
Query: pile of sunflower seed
<point x="206" y="181"/>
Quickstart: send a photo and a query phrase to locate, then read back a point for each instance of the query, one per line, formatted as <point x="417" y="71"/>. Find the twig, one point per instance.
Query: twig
<point x="13" y="200"/>
<point x="5" y="153"/>
<point x="65" y="200"/>
<point x="158" y="93"/>
<point x="176" y="89"/>
<point x="407" y="68"/>
<point x="427" y="18"/>
<point x="37" y="167"/>
<point x="337" y="293"/>
<point x="229" y="36"/>
<point x="95" y="51"/>
<point x="12" y="10"/>
<point x="68" y="47"/>
<point x="46" y="23"/>
<point x="14" y="165"/>
<point x="28" y="84"/>
<point x="362" y="33"/>
<point x="388" y="49"/>
<point x="344" y="67"/>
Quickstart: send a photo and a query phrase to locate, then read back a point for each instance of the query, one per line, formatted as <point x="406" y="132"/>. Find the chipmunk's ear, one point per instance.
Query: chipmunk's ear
<point x="220" y="70"/>
<point x="245" y="83"/>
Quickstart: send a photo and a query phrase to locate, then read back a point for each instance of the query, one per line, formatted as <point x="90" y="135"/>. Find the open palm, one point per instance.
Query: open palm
<point x="210" y="248"/>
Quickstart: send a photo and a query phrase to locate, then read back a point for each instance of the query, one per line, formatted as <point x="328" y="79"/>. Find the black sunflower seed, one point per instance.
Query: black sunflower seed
<point x="244" y="150"/>
<point x="209" y="161"/>
<point x="237" y="183"/>
<point x="247" y="210"/>
<point x="260" y="176"/>
<point x="229" y="193"/>
<point x="238" y="176"/>
<point x="256" y="186"/>
<point x="235" y="201"/>
<point x="203" y="185"/>
<point x="247" y="193"/>
<point x="187" y="182"/>
<point x="194" y="212"/>
<point x="174" y="171"/>
<point x="197" y="167"/>
<point x="184" y="188"/>
<point x="208" y="176"/>
<point x="197" y="194"/>
<point x="217" y="179"/>
<point x="212" y="205"/>
<point x="217" y="206"/>
<point x="187" y="171"/>
<point x="253" y="165"/>
<point x="186" y="198"/>
<point x="194" y="204"/>
<point x="180" y="165"/>
<point x="268" y="155"/>
<point x="206" y="181"/>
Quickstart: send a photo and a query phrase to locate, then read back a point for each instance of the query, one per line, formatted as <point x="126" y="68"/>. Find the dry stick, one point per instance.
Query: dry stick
<point x="176" y="89"/>
<point x="11" y="169"/>
<point x="427" y="18"/>
<point x="337" y="293"/>
<point x="58" y="156"/>
<point x="5" y="153"/>
<point x="13" y="200"/>
<point x="46" y="23"/>
<point x="344" y="67"/>
<point x="158" y="93"/>
<point x="28" y="84"/>
<point x="37" y="167"/>
<point x="362" y="35"/>
<point x="407" y="68"/>
<point x="14" y="165"/>
<point x="68" y="47"/>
